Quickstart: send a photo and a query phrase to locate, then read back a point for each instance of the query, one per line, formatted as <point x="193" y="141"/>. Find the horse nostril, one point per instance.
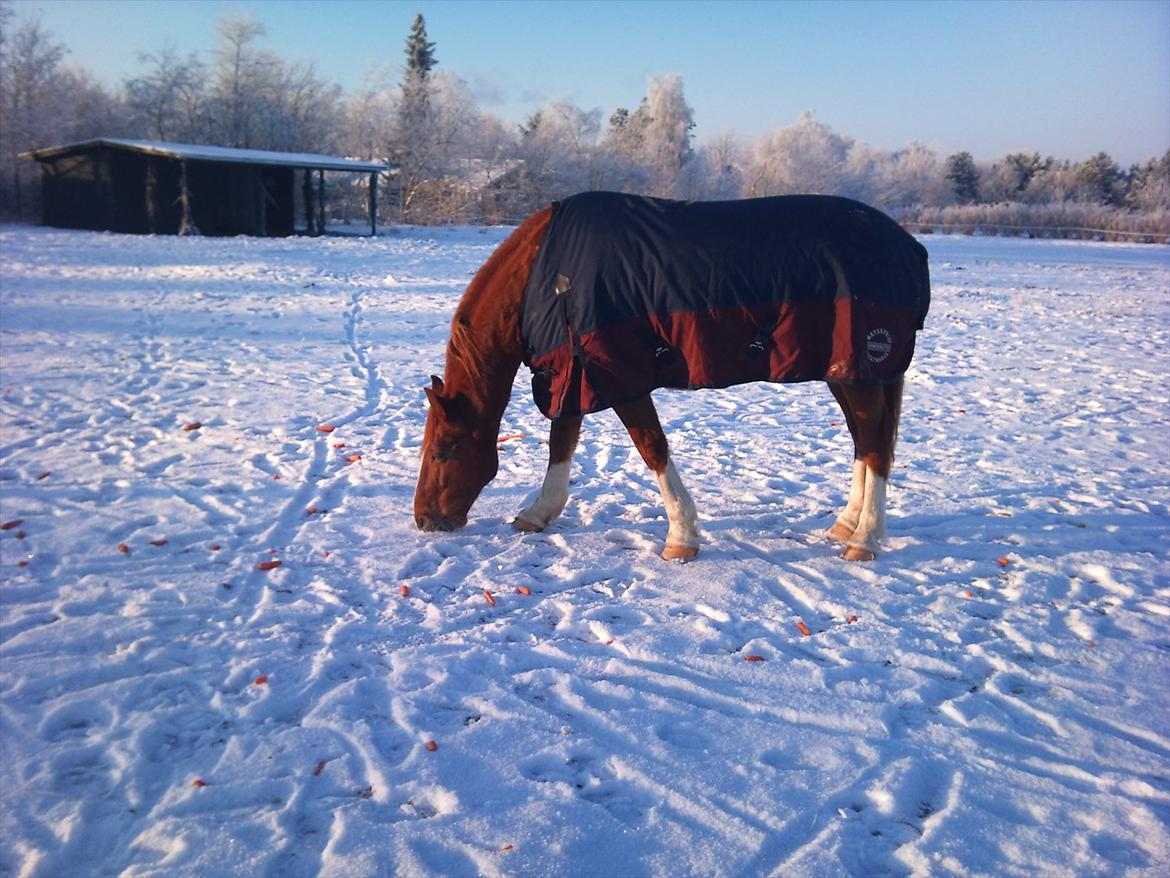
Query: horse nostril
<point x="442" y="523"/>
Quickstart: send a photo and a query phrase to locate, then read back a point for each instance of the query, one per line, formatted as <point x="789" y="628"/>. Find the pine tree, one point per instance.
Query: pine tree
<point x="964" y="177"/>
<point x="420" y="52"/>
<point x="415" y="122"/>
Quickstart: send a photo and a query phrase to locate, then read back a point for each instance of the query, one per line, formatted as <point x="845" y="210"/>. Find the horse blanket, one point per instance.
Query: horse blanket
<point x="628" y="294"/>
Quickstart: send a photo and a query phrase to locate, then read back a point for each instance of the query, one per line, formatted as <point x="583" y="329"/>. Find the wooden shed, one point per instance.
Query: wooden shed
<point x="153" y="187"/>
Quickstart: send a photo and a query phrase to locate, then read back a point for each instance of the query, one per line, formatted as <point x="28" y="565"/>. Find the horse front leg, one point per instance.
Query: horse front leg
<point x="682" y="536"/>
<point x="554" y="491"/>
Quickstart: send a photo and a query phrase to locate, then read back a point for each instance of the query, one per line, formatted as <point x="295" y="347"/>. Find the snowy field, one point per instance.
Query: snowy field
<point x="990" y="697"/>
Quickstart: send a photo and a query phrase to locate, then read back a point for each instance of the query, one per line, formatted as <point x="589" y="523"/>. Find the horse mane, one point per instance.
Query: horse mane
<point x="485" y="331"/>
<point x="467" y="345"/>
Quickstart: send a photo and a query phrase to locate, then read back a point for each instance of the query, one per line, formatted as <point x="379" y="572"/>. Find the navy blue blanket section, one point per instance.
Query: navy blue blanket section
<point x="611" y="260"/>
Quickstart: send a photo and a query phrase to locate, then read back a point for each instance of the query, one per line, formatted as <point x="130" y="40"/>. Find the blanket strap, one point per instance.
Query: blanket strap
<point x="562" y="289"/>
<point x="759" y="345"/>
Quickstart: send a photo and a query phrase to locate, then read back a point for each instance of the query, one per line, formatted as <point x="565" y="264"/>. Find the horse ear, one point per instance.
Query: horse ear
<point x="436" y="384"/>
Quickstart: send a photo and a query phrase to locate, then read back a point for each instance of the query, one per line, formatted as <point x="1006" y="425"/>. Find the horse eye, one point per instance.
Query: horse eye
<point x="443" y="453"/>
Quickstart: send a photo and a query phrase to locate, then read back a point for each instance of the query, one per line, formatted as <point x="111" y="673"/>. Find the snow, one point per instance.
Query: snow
<point x="974" y="718"/>
<point x="199" y="152"/>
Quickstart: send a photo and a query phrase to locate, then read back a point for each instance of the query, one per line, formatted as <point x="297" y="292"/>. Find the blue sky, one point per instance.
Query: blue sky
<point x="1061" y="78"/>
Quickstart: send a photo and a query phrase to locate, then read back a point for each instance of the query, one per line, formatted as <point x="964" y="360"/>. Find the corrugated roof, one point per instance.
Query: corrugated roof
<point x="194" y="152"/>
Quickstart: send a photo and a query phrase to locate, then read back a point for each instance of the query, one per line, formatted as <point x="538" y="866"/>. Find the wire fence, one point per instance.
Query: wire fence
<point x="1075" y="233"/>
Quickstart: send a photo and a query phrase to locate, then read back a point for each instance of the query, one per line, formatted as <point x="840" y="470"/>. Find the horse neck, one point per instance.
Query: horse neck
<point x="486" y="346"/>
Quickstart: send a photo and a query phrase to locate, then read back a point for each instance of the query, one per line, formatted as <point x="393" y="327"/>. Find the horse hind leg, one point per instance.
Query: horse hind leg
<point x="682" y="536"/>
<point x="850" y="516"/>
<point x="554" y="491"/>
<point x="872" y="412"/>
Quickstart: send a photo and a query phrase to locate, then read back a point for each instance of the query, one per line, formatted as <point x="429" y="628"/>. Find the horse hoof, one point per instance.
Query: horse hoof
<point x="526" y="526"/>
<point x="840" y="533"/>
<point x="676" y="552"/>
<point x="856" y="553"/>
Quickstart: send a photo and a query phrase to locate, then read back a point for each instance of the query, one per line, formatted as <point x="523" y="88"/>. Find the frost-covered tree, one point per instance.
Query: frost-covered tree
<point x="1011" y="178"/>
<point x="908" y="178"/>
<point x="244" y="84"/>
<point x="666" y="138"/>
<point x="558" y="145"/>
<point x="715" y="171"/>
<point x="1149" y="187"/>
<point x="308" y="113"/>
<point x="34" y="106"/>
<point x="168" y="99"/>
<point x="807" y="156"/>
<point x="646" y="151"/>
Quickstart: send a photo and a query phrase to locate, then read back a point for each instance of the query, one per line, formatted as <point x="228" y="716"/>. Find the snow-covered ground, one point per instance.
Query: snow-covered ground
<point x="991" y="697"/>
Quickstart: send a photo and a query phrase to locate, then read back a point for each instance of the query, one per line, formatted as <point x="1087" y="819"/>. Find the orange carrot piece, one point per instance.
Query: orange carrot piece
<point x="1002" y="562"/>
<point x="753" y="658"/>
<point x="325" y="428"/>
<point x="198" y="782"/>
<point x="404" y="591"/>
<point x="432" y="746"/>
<point x="268" y="565"/>
<point x="850" y="620"/>
<point x="320" y="767"/>
<point x="9" y="525"/>
<point x="194" y="425"/>
<point x="159" y="542"/>
<point x="123" y="548"/>
<point x="488" y="597"/>
<point x="354" y="458"/>
<point x="803" y="628"/>
<point x="524" y="590"/>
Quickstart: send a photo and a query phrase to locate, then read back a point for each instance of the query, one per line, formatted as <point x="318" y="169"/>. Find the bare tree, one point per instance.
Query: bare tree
<point x="167" y="99"/>
<point x="243" y="86"/>
<point x="33" y="104"/>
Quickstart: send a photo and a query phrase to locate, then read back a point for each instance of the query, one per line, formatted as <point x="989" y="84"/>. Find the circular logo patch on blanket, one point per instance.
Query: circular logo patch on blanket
<point x="878" y="345"/>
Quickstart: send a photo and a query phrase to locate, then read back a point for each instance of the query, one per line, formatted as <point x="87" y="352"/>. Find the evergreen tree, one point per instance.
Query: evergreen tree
<point x="420" y="52"/>
<point x="963" y="176"/>
<point x="414" y="123"/>
<point x="1102" y="179"/>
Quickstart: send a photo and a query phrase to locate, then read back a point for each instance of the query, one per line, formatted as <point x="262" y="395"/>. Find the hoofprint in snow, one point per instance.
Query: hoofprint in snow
<point x="990" y="697"/>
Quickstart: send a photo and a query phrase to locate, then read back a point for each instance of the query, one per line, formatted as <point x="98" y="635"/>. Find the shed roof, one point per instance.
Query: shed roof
<point x="194" y="152"/>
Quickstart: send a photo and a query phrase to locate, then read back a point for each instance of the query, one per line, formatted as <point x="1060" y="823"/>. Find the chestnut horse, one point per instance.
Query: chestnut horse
<point x="484" y="353"/>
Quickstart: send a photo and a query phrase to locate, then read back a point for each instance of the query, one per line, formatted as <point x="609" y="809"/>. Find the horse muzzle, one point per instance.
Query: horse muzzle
<point x="440" y="522"/>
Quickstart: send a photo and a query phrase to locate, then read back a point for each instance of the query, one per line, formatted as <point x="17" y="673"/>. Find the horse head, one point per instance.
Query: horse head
<point x="459" y="457"/>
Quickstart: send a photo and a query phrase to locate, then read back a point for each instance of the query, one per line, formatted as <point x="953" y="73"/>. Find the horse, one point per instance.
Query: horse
<point x="608" y="296"/>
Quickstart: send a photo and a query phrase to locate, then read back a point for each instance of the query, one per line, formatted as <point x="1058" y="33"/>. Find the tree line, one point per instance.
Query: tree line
<point x="453" y="161"/>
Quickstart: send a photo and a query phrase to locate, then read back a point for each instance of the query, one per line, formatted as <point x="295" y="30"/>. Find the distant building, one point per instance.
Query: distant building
<point x="152" y="187"/>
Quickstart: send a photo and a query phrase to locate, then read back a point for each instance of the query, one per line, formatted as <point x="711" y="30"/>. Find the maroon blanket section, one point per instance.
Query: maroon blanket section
<point x="841" y="340"/>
